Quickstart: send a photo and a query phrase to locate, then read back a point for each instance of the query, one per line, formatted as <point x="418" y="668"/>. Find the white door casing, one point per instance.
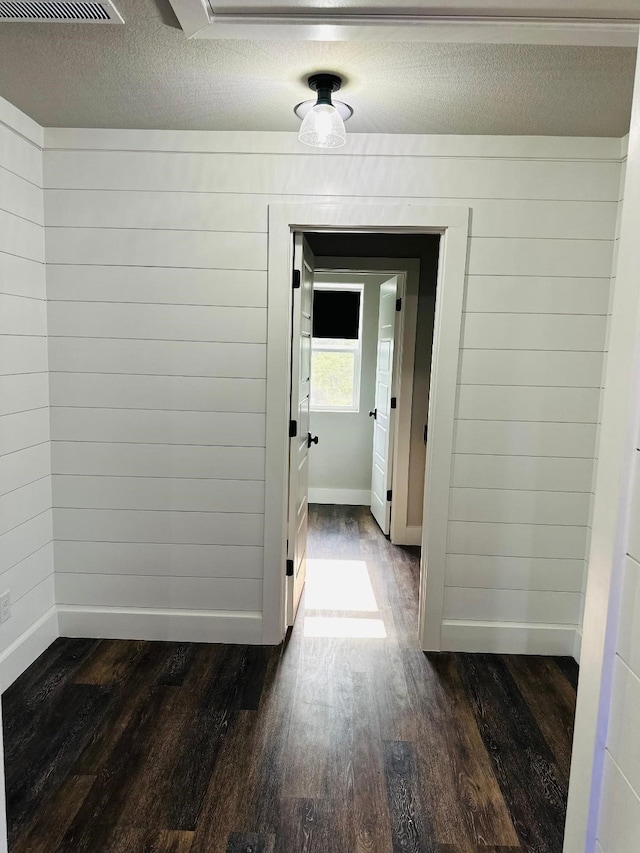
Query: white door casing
<point x="450" y="221"/>
<point x="383" y="414"/>
<point x="303" y="262"/>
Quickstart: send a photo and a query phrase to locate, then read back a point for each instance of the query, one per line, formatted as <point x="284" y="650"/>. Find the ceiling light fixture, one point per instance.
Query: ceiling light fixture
<point x="323" y="120"/>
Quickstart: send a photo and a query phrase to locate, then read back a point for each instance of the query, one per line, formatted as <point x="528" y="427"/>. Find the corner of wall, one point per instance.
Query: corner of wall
<point x="26" y="527"/>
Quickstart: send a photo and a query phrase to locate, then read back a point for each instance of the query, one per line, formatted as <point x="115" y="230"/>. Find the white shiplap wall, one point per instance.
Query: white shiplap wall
<point x="579" y="632"/>
<point x="619" y="829"/>
<point x="619" y="818"/>
<point x="26" y="547"/>
<point x="157" y="258"/>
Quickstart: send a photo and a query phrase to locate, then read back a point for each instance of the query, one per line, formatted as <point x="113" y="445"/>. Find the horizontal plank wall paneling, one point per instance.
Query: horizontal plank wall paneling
<point x="22" y="276"/>
<point x="157" y="250"/>
<point x="158" y="592"/>
<point x="136" y="247"/>
<point x="140" y="426"/>
<point x="523" y="438"/>
<point x="157" y="460"/>
<point x="547" y="474"/>
<point x="26" y="533"/>
<point x="20" y="197"/>
<point x="20" y="354"/>
<point x="157" y="322"/>
<point x="25" y="539"/>
<point x="169" y="285"/>
<point x="160" y="560"/>
<point x="613" y="592"/>
<point x="538" y="507"/>
<point x="23" y="392"/>
<point x="159" y="358"/>
<point x="536" y="573"/>
<point x="183" y="393"/>
<point x="538" y="257"/>
<point x="19" y="430"/>
<point x="162" y="527"/>
<point x="23" y="315"/>
<point x="403" y="177"/>
<point x="535" y="294"/>
<point x="522" y="605"/>
<point x="582" y="332"/>
<point x="411" y="145"/>
<point x="503" y="539"/>
<point x="629" y="639"/>
<point x="158" y="493"/>
<point x="198" y="211"/>
<point x="24" y="466"/>
<point x="22" y="159"/>
<point x="23" y="504"/>
<point x="620" y="815"/>
<point x="21" y="237"/>
<point x="542" y="368"/>
<point x="528" y="403"/>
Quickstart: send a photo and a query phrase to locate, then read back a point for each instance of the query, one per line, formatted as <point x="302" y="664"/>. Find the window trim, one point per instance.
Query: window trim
<point x="357" y="287"/>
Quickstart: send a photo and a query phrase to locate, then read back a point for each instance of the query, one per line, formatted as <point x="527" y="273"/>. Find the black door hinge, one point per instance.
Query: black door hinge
<point x="426" y="428"/>
<point x="389" y="495"/>
<point x="295" y="282"/>
<point x="398" y="304"/>
<point x="394" y="402"/>
<point x="289" y="571"/>
<point x="293" y="429"/>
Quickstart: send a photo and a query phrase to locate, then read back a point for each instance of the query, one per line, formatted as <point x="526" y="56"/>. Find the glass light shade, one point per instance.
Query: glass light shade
<point x="323" y="127"/>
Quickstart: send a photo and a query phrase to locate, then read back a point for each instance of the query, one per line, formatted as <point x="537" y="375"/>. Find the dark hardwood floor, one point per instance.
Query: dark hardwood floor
<point x="348" y="738"/>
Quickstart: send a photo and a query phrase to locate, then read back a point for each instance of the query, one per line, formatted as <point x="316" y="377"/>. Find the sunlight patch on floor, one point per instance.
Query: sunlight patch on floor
<point x="339" y="585"/>
<point x="340" y="626"/>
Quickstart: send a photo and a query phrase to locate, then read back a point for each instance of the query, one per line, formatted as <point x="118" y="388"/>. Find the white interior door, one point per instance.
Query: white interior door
<point x="383" y="413"/>
<point x="301" y="438"/>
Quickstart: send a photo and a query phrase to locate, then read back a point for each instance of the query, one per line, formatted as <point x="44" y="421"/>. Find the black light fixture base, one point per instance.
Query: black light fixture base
<point x="344" y="109"/>
<point x="324" y="82"/>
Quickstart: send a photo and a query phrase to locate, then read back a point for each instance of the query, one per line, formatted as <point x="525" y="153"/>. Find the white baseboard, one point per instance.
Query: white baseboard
<point x="411" y="535"/>
<point x="26" y="648"/>
<point x="519" y="638"/>
<point x="577" y="643"/>
<point x="349" y="497"/>
<point x="181" y="626"/>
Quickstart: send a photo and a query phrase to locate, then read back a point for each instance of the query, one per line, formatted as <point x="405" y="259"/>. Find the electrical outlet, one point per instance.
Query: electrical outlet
<point x="5" y="606"/>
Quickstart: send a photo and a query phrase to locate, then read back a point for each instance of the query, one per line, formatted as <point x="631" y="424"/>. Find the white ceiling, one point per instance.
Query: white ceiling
<point x="145" y="74"/>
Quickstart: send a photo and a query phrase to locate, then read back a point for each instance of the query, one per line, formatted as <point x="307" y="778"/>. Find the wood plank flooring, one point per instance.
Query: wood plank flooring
<point x="347" y="738"/>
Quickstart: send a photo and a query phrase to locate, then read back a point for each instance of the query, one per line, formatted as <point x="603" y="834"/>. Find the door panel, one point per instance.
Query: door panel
<point x="383" y="423"/>
<point x="304" y="261"/>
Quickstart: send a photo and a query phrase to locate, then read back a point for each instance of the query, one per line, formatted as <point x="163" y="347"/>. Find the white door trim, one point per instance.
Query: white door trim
<point x="453" y="223"/>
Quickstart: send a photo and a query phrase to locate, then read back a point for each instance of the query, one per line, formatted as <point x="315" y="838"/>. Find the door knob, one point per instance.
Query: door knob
<point x="311" y="439"/>
<point x="374" y="414"/>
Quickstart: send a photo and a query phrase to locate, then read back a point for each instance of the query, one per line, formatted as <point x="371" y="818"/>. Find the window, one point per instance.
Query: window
<point x="336" y="348"/>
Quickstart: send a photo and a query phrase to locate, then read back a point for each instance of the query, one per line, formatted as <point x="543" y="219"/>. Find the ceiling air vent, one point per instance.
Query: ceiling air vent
<point x="54" y="11"/>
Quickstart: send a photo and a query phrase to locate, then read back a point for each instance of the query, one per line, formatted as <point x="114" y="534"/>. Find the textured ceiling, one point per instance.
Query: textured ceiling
<point x="145" y="74"/>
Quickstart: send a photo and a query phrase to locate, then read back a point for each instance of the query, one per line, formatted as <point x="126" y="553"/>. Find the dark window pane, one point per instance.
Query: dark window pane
<point x="336" y="314"/>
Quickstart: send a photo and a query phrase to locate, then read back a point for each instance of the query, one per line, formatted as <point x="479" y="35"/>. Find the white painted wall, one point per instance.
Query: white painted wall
<point x="340" y="464"/>
<point x="604" y="797"/>
<point x="612" y="291"/>
<point x="156" y="245"/>
<point x="26" y="549"/>
<point x="619" y="827"/>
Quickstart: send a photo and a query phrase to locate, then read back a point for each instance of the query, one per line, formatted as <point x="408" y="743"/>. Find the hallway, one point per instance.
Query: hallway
<point x="348" y="738"/>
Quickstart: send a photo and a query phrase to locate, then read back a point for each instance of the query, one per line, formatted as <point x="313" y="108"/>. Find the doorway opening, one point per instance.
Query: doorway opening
<point x="286" y="286"/>
<point x="362" y="335"/>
